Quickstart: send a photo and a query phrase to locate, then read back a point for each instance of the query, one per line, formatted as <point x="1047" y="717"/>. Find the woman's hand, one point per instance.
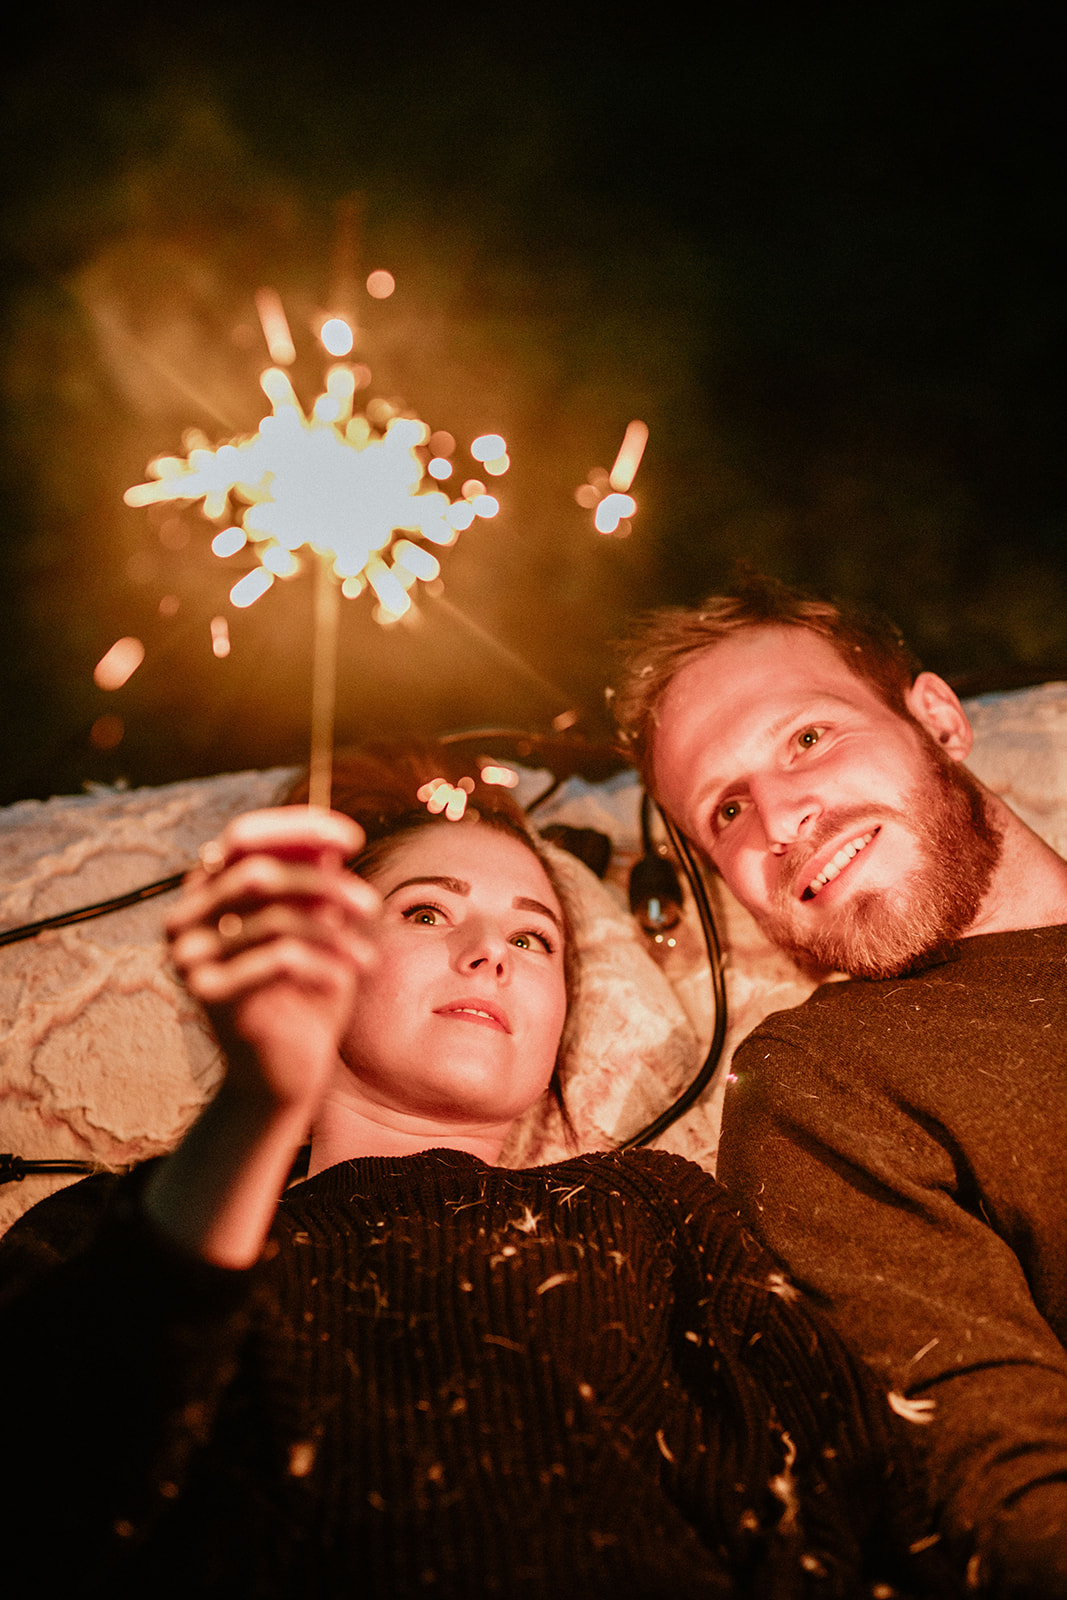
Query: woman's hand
<point x="271" y="933"/>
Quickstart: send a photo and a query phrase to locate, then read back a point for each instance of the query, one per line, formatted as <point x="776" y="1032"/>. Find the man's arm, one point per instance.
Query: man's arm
<point x="865" y="1201"/>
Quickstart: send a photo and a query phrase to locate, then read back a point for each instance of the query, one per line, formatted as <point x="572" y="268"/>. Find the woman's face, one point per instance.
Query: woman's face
<point x="462" y="1016"/>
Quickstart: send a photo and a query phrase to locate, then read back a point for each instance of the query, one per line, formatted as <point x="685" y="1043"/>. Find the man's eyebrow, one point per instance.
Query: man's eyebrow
<point x="456" y="885"/>
<point x="522" y="903"/>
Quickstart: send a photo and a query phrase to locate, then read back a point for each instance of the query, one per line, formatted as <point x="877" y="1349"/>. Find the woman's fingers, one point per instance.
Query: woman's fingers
<point x="309" y="965"/>
<point x="205" y="943"/>
<point x="259" y="880"/>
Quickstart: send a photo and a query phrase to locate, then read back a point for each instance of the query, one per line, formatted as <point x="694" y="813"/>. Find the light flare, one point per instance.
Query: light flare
<point x="628" y="459"/>
<point x="606" y="494"/>
<point x="503" y="777"/>
<point x="439" y="796"/>
<point x="336" y="336"/>
<point x="118" y="664"/>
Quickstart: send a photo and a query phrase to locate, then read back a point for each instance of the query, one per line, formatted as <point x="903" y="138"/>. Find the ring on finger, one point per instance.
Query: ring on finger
<point x="229" y="926"/>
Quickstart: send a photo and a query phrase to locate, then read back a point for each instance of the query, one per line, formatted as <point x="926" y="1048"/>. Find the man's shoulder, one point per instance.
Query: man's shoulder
<point x="986" y="977"/>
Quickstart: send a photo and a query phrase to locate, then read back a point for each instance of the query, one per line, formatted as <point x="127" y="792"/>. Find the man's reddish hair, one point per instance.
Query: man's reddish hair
<point x="663" y="641"/>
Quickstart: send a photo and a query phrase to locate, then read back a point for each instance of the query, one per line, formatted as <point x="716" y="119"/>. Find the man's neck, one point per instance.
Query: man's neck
<point x="1029" y="887"/>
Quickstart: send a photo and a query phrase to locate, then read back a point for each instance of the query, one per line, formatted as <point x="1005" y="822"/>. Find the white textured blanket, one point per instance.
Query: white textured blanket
<point x="103" y="1056"/>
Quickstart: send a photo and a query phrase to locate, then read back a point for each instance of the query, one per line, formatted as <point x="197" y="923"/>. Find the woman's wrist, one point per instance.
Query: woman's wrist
<point x="216" y="1193"/>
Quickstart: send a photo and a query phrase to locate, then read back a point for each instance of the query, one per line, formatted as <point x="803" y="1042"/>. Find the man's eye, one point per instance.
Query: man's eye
<point x="809" y="737"/>
<point x="727" y="812"/>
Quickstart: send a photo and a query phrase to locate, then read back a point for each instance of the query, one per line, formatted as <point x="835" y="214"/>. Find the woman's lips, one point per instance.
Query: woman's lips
<point x="477" y="1011"/>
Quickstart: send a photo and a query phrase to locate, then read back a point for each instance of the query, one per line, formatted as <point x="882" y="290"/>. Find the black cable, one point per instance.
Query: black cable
<point x="65" y="919"/>
<point x="14" y="1168"/>
<point x="692" y="1091"/>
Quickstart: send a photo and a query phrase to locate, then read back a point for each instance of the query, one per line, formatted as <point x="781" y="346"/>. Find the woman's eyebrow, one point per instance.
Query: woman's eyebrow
<point x="456" y="885"/>
<point x="521" y="903"/>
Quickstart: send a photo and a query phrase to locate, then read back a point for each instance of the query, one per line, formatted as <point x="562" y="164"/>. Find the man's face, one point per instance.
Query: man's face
<point x="844" y="828"/>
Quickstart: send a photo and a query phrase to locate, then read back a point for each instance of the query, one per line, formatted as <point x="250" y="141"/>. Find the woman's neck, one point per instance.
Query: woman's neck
<point x="346" y="1128"/>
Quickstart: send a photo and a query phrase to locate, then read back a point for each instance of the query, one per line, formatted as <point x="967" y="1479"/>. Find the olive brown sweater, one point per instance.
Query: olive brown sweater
<point x="899" y="1145"/>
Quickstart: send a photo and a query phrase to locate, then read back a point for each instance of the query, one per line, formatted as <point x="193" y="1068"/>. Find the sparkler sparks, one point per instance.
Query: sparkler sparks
<point x="349" y="486"/>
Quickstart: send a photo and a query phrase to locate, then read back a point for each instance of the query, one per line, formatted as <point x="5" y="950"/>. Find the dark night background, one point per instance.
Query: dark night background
<point x="819" y="252"/>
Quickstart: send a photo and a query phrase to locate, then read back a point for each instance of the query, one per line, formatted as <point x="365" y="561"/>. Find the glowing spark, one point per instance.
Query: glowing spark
<point x="229" y="541"/>
<point x="249" y="588"/>
<point x="441" y="796"/>
<point x="419" y="562"/>
<point x="337" y="337"/>
<point x="629" y="457"/>
<point x="275" y="327"/>
<point x="380" y="285"/>
<point x="611" y="510"/>
<point x="504" y="777"/>
<point x="439" y="468"/>
<point x="605" y="493"/>
<point x="220" y="637"/>
<point x="118" y="664"/>
<point x="488" y="447"/>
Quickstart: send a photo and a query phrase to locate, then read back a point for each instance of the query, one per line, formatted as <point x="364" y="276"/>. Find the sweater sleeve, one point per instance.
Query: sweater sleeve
<point x="115" y="1349"/>
<point x="867" y="1202"/>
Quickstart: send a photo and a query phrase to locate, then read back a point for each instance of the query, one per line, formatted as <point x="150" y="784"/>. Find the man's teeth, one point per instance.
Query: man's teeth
<point x="834" y="866"/>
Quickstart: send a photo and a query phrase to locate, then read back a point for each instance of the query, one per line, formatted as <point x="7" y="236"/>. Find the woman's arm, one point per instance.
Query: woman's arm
<point x="271" y="936"/>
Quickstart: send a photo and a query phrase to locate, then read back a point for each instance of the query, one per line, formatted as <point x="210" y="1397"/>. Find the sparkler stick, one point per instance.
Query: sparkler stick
<point x="323" y="683"/>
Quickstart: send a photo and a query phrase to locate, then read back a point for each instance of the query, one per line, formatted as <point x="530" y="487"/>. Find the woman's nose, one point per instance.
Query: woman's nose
<point x="481" y="947"/>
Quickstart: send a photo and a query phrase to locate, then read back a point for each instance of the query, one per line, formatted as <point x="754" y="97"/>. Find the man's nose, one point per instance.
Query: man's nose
<point x="787" y="812"/>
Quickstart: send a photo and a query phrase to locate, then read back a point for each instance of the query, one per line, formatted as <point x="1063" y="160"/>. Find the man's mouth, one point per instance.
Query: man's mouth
<point x="837" y="863"/>
<point x="476" y="1011"/>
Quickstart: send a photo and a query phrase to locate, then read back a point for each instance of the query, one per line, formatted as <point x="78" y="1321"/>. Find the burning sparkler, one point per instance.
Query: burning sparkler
<point x="346" y="484"/>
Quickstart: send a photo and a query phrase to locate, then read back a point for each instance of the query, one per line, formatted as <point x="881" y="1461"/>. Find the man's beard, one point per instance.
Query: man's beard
<point x="881" y="933"/>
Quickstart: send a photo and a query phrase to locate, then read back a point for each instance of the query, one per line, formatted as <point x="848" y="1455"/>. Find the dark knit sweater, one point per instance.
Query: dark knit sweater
<point x="900" y="1146"/>
<point x="444" y="1378"/>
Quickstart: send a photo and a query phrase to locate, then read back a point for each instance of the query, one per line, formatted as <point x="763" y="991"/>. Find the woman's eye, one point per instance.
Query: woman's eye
<point x="809" y="737"/>
<point x="727" y="812"/>
<point x="533" y="941"/>
<point x="425" y="916"/>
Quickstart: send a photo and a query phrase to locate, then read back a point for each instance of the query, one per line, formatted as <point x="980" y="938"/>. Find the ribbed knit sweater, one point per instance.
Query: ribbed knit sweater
<point x="443" y="1379"/>
<point x="900" y="1146"/>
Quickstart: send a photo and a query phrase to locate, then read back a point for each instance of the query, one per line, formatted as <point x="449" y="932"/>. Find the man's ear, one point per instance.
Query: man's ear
<point x="933" y="704"/>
